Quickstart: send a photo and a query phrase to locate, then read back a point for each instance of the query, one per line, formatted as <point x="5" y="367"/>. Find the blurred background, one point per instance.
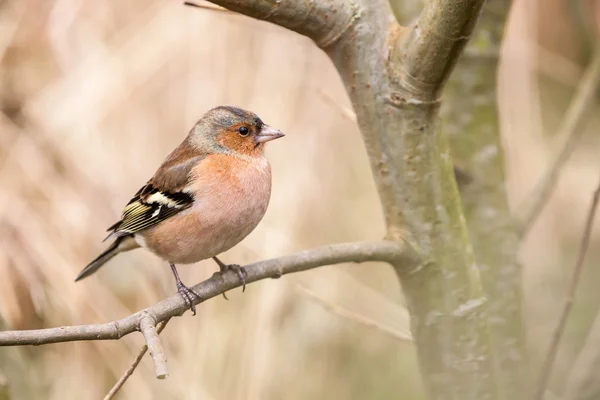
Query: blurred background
<point x="94" y="95"/>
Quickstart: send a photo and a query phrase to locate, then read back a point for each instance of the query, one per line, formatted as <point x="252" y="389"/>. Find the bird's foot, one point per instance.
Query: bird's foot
<point x="188" y="295"/>
<point x="240" y="271"/>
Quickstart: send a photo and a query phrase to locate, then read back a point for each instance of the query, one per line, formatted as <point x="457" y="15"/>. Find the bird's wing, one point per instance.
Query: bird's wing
<point x="162" y="197"/>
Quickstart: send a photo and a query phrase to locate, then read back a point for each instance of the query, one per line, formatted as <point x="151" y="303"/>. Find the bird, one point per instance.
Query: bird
<point x="206" y="197"/>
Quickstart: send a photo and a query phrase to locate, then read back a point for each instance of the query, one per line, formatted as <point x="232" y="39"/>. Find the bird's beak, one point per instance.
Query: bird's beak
<point x="267" y="134"/>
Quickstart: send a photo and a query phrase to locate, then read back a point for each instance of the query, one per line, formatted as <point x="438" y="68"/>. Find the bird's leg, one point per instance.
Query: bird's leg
<point x="240" y="271"/>
<point x="185" y="292"/>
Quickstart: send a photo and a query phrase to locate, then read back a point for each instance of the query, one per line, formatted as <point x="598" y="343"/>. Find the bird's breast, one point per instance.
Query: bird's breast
<point x="232" y="192"/>
<point x="231" y="196"/>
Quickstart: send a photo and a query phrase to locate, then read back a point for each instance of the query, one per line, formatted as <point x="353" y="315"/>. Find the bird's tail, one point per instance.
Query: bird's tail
<point x="121" y="244"/>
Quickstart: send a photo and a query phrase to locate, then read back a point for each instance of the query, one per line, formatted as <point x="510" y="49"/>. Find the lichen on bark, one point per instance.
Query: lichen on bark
<point x="470" y="120"/>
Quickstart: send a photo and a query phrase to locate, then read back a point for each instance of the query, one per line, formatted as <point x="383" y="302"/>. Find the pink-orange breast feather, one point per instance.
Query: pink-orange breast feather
<point x="231" y="197"/>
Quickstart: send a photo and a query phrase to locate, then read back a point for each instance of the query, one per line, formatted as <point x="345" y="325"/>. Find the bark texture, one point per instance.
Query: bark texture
<point x="394" y="76"/>
<point x="470" y="119"/>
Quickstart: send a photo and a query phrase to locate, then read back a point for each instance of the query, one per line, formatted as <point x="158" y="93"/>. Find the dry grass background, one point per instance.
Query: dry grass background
<point x="94" y="96"/>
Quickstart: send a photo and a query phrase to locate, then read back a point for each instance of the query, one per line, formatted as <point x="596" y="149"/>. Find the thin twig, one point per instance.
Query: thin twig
<point x="119" y="384"/>
<point x="344" y="312"/>
<point x="4" y="392"/>
<point x="570" y="130"/>
<point x="568" y="304"/>
<point x="582" y="381"/>
<point x="9" y="25"/>
<point x="346" y="112"/>
<point x="386" y="251"/>
<point x="148" y="328"/>
<point x="206" y="6"/>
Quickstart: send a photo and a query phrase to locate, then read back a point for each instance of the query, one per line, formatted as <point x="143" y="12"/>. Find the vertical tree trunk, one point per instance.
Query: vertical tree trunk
<point x="470" y="119"/>
<point x="410" y="159"/>
<point x="394" y="76"/>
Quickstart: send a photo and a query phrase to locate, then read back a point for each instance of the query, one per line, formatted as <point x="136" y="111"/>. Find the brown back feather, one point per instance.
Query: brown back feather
<point x="163" y="195"/>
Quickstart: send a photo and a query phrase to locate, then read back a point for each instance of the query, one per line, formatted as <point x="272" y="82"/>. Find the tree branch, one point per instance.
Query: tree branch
<point x="119" y="384"/>
<point x="324" y="21"/>
<point x="206" y="6"/>
<point x="570" y="130"/>
<point x="386" y="251"/>
<point x="4" y="393"/>
<point x="435" y="41"/>
<point x="344" y="312"/>
<point x="582" y="382"/>
<point x="148" y="328"/>
<point x="570" y="296"/>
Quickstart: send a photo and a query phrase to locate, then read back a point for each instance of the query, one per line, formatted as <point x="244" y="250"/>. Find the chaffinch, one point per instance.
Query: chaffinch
<point x="207" y="196"/>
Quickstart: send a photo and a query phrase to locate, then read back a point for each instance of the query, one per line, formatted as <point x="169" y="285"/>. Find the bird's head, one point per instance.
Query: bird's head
<point x="227" y="128"/>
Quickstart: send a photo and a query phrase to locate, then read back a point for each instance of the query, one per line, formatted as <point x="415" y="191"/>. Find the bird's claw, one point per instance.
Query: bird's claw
<point x="187" y="294"/>
<point x="240" y="271"/>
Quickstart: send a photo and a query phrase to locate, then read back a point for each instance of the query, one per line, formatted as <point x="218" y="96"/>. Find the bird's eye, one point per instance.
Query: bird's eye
<point x="243" y="131"/>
